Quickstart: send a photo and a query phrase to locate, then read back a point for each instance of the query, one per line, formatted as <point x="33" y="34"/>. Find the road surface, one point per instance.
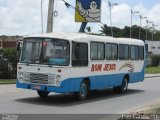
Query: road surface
<point x="19" y="101"/>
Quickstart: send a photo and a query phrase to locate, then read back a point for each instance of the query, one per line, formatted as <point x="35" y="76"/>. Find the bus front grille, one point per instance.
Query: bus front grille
<point x="38" y="78"/>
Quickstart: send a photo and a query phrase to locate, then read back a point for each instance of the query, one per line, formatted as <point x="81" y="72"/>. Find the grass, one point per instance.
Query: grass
<point x="152" y="70"/>
<point x="7" y="81"/>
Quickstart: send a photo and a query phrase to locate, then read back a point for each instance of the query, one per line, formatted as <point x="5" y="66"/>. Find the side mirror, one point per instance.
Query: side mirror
<point x="18" y="46"/>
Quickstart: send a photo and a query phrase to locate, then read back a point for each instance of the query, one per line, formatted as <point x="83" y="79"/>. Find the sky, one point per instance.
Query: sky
<point x="23" y="17"/>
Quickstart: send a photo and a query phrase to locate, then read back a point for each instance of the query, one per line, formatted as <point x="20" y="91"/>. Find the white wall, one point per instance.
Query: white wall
<point x="153" y="47"/>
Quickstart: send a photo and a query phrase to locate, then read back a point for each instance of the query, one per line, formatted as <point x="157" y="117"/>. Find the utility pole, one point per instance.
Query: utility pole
<point x="147" y="21"/>
<point x="153" y="30"/>
<point x="110" y="8"/>
<point x="132" y="12"/>
<point x="140" y="26"/>
<point x="42" y="15"/>
<point x="141" y="18"/>
<point x="50" y="16"/>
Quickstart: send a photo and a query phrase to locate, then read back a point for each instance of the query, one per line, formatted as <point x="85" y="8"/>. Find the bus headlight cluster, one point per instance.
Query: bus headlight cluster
<point x="58" y="80"/>
<point x="20" y="76"/>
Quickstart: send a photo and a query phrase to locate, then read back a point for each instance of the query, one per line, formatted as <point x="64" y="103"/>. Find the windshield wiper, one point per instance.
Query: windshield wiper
<point x="28" y="63"/>
<point x="50" y="65"/>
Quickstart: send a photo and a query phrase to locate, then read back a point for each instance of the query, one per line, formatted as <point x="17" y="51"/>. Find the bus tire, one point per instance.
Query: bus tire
<point x="43" y="94"/>
<point x="83" y="91"/>
<point x="123" y="88"/>
<point x="116" y="89"/>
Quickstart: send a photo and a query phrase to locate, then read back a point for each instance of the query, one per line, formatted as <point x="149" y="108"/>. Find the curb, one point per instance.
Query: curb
<point x="7" y="83"/>
<point x="152" y="76"/>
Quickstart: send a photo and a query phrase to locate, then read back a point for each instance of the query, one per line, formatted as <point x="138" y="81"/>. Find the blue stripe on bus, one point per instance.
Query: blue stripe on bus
<point x="96" y="82"/>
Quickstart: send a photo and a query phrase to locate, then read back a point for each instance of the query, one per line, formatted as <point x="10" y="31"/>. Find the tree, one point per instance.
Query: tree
<point x="157" y="35"/>
<point x="89" y="29"/>
<point x="105" y="30"/>
<point x="117" y="32"/>
<point x="125" y="32"/>
<point x="8" y="62"/>
<point x="135" y="32"/>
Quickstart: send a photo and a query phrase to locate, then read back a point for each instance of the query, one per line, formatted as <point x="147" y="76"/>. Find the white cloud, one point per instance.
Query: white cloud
<point x="151" y="14"/>
<point x="121" y="15"/>
<point x="20" y="17"/>
<point x="23" y="16"/>
<point x="65" y="20"/>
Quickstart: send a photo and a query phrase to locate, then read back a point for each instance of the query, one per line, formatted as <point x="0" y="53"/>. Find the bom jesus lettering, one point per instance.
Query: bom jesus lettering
<point x="106" y="67"/>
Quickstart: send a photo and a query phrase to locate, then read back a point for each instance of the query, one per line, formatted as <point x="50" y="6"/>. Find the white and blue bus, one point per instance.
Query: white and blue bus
<point x="77" y="63"/>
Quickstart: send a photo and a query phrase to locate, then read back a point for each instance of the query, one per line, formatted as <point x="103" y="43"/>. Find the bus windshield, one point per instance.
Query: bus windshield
<point x="45" y="51"/>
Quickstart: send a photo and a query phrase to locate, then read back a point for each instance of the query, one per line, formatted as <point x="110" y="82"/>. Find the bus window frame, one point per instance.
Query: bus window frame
<point x="25" y="39"/>
<point x="138" y="52"/>
<point x="143" y="52"/>
<point x="128" y="51"/>
<point x="111" y="50"/>
<point x="72" y="51"/>
<point x="97" y="50"/>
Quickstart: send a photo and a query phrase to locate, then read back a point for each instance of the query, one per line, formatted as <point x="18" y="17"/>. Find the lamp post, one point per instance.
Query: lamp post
<point x="110" y="8"/>
<point x="141" y="17"/>
<point x="153" y="29"/>
<point x="147" y="21"/>
<point x="132" y="12"/>
<point x="42" y="15"/>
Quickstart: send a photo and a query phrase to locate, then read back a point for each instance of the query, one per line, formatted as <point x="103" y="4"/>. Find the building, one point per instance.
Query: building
<point x="9" y="41"/>
<point x="153" y="47"/>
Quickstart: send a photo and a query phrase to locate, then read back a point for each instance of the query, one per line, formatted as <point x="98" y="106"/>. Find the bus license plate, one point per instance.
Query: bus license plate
<point x="37" y="87"/>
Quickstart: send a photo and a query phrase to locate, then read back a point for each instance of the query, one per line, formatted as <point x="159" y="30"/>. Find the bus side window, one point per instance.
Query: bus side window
<point x="114" y="51"/>
<point x="97" y="51"/>
<point x="123" y="52"/>
<point x="111" y="51"/>
<point x="134" y="52"/>
<point x="79" y="54"/>
<point x="141" y="53"/>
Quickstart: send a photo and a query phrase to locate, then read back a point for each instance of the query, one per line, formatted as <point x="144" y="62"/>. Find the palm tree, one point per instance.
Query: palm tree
<point x="105" y="30"/>
<point x="89" y="29"/>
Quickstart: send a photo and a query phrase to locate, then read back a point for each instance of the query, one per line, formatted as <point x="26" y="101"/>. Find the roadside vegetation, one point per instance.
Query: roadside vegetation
<point x="152" y="70"/>
<point x="125" y="32"/>
<point x="154" y="67"/>
<point x="8" y="63"/>
<point x="7" y="81"/>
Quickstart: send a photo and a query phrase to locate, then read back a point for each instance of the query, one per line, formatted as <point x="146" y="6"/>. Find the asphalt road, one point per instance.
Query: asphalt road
<point x="19" y="101"/>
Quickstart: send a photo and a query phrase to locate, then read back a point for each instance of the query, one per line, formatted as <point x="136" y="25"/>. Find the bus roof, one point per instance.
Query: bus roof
<point x="83" y="37"/>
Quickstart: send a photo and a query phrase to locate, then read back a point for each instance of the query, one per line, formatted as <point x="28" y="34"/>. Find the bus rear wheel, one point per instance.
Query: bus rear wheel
<point x="83" y="91"/>
<point x="43" y="94"/>
<point x="123" y="88"/>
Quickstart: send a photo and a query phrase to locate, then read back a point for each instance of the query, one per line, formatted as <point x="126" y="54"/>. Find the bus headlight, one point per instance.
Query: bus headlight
<point x="20" y="76"/>
<point x="58" y="80"/>
<point x="20" y="79"/>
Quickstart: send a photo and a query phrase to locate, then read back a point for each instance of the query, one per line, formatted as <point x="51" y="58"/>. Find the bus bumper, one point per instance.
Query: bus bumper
<point x="42" y="87"/>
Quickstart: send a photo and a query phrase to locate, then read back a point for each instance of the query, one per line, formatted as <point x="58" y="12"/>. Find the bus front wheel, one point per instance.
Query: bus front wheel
<point x="123" y="88"/>
<point x="83" y="91"/>
<point x="43" y="94"/>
